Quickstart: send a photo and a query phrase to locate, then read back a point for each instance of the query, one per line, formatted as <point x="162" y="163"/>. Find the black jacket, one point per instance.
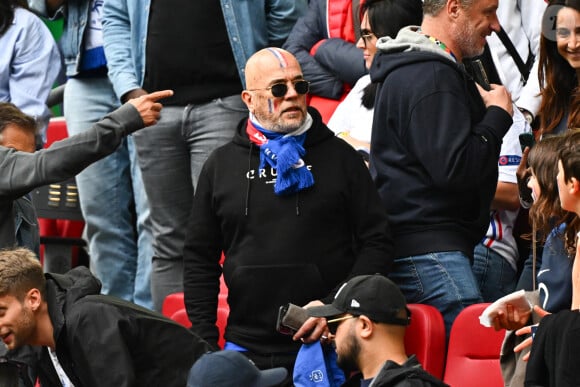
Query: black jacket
<point x="104" y="341"/>
<point x="279" y="249"/>
<point x="554" y="355"/>
<point x="410" y="374"/>
<point x="434" y="148"/>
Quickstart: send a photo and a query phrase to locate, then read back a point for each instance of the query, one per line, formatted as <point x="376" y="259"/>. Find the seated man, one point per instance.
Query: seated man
<point x="367" y="321"/>
<point x="88" y="339"/>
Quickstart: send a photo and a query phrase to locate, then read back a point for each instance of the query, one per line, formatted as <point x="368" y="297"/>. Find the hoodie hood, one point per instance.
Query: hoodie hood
<point x="65" y="289"/>
<point x="392" y="374"/>
<point x="410" y="46"/>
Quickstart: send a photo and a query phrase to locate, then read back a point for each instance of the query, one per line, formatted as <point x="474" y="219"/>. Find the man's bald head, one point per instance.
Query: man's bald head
<point x="264" y="61"/>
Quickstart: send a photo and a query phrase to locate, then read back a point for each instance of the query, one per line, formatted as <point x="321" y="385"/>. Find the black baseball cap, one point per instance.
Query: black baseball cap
<point x="374" y="296"/>
<point x="231" y="368"/>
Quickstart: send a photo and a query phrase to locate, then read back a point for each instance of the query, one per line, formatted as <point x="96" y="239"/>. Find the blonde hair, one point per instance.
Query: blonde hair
<point x="20" y="271"/>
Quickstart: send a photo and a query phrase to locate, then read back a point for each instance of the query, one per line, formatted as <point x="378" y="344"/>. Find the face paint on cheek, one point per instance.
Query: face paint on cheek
<point x="271" y="105"/>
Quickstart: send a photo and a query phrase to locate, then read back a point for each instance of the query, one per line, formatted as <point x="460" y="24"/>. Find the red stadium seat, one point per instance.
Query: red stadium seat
<point x="172" y="303"/>
<point x="425" y="338"/>
<point x="61" y="226"/>
<point x="473" y="353"/>
<point x="180" y="316"/>
<point x="174" y="308"/>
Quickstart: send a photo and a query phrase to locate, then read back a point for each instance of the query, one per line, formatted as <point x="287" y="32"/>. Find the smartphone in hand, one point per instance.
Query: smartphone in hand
<point x="290" y="318"/>
<point x="479" y="74"/>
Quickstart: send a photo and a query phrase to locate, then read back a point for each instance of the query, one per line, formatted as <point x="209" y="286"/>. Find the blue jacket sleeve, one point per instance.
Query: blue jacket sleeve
<point x="118" y="36"/>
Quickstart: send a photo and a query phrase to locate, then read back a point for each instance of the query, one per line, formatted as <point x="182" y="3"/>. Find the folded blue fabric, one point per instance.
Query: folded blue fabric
<point x="316" y="367"/>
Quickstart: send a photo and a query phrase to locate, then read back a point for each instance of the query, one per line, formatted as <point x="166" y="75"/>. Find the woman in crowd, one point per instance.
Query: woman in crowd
<point x="352" y="119"/>
<point x="559" y="67"/>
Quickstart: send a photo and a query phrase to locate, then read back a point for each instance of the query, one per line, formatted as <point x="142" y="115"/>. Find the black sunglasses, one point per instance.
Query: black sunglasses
<point x="335" y="322"/>
<point x="280" y="89"/>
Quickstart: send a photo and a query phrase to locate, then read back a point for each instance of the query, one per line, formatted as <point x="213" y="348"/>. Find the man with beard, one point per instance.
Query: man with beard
<point x="294" y="210"/>
<point x="367" y="321"/>
<point x="88" y="339"/>
<point x="435" y="145"/>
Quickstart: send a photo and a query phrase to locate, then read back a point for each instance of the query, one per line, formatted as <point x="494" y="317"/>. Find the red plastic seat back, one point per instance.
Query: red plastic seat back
<point x="180" y="316"/>
<point x="325" y="106"/>
<point x="63" y="228"/>
<point x="425" y="338"/>
<point x="174" y="308"/>
<point x="172" y="303"/>
<point x="473" y="353"/>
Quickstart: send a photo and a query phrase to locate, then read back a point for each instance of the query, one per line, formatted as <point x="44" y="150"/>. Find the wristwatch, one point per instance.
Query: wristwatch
<point x="527" y="115"/>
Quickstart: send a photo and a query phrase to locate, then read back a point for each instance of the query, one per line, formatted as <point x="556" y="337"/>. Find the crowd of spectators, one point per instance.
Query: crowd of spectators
<point x="199" y="141"/>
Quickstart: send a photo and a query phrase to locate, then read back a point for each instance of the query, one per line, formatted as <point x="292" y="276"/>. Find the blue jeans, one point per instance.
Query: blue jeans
<point x="493" y="273"/>
<point x="443" y="280"/>
<point x="171" y="155"/>
<point x="112" y="200"/>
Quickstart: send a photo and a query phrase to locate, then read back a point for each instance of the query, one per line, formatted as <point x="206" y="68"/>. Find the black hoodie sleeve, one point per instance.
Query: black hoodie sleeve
<point x="202" y="270"/>
<point x="460" y="149"/>
<point x="441" y="121"/>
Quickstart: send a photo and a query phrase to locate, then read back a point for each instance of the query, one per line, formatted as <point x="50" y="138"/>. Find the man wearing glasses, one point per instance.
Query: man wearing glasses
<point x="367" y="321"/>
<point x="293" y="209"/>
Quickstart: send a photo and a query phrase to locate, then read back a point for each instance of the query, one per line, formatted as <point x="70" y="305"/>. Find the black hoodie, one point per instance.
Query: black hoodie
<point x="279" y="249"/>
<point x="434" y="148"/>
<point x="105" y="341"/>
<point x="410" y="374"/>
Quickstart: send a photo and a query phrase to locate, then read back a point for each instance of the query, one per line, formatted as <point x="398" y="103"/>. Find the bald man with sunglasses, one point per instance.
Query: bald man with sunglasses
<point x="294" y="210"/>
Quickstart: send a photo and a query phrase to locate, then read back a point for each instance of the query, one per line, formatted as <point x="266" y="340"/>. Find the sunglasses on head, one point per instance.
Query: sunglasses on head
<point x="280" y="89"/>
<point x="335" y="322"/>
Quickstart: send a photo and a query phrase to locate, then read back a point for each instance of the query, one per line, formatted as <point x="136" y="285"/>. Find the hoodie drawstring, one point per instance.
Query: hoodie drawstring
<point x="248" y="178"/>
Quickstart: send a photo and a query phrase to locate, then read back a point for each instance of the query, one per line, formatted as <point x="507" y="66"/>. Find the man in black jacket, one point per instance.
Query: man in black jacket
<point x="435" y="145"/>
<point x="292" y="207"/>
<point x="367" y="320"/>
<point x="88" y="339"/>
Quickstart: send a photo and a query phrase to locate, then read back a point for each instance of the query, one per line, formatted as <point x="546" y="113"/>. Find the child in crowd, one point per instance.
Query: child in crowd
<point x="552" y="274"/>
<point x="553" y="360"/>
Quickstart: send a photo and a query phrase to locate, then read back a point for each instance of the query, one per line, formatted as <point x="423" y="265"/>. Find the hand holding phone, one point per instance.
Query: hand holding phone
<point x="480" y="75"/>
<point x="290" y="318"/>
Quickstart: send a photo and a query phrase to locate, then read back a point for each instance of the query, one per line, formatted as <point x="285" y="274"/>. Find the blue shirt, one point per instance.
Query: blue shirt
<point x="555" y="273"/>
<point x="29" y="66"/>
